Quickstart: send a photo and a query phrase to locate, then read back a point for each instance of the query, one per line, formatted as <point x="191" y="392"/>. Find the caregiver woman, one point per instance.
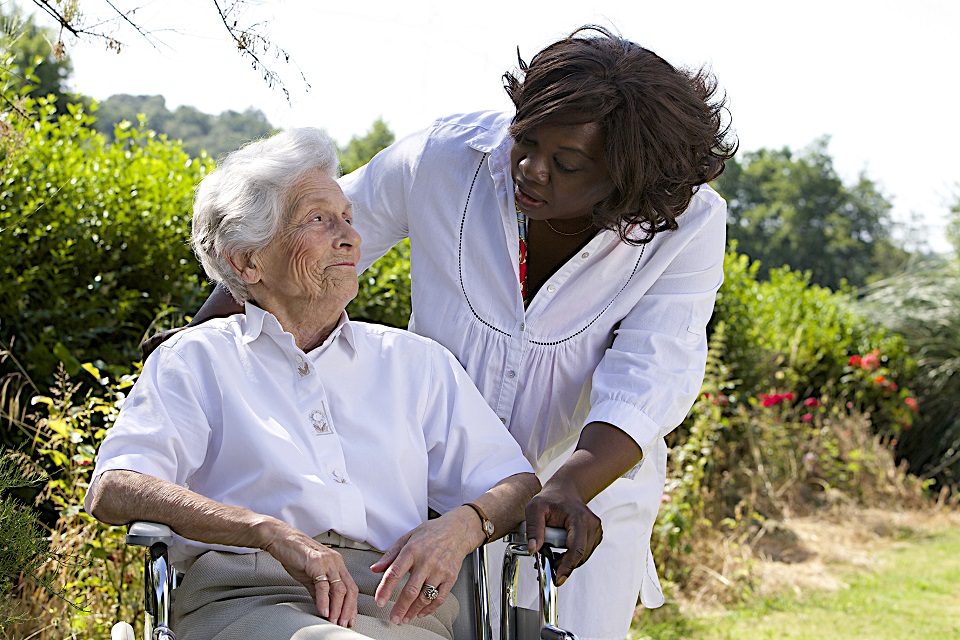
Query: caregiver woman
<point x="569" y="256"/>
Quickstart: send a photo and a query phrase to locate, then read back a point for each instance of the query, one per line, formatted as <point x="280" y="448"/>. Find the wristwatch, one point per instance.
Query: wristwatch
<point x="484" y="522"/>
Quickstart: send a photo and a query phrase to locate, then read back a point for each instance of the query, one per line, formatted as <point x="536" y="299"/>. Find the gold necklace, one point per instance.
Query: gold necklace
<point x="561" y="233"/>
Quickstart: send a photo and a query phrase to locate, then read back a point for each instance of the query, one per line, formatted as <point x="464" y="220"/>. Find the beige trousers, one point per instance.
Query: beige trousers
<point x="228" y="596"/>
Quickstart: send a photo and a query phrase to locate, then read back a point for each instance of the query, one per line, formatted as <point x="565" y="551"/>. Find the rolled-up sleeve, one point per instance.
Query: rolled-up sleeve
<point x="468" y="448"/>
<point x="648" y="379"/>
<point x="162" y="429"/>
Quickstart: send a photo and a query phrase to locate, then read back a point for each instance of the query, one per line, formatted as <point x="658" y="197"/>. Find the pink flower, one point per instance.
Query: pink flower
<point x="665" y="498"/>
<point x="811" y="402"/>
<point x="912" y="403"/>
<point x="892" y="386"/>
<point x="807" y="417"/>
<point x="871" y="361"/>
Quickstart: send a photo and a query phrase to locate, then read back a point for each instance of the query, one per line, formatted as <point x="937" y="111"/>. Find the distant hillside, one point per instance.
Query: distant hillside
<point x="215" y="134"/>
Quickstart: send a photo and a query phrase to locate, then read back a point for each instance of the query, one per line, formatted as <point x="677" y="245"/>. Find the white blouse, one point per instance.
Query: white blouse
<point x="616" y="335"/>
<point x="359" y="436"/>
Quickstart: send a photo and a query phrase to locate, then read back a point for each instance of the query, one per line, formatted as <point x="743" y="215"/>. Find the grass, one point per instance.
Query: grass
<point x="912" y="590"/>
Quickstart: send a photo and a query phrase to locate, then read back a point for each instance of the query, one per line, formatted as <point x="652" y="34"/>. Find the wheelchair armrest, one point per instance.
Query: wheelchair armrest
<point x="553" y="536"/>
<point x="147" y="534"/>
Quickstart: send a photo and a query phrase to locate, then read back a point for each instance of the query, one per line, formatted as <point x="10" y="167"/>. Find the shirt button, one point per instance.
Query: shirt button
<point x="552" y="289"/>
<point x="303" y="367"/>
<point x="585" y="255"/>
<point x="522" y="326"/>
<point x="511" y="374"/>
<point x="503" y="420"/>
<point x="339" y="476"/>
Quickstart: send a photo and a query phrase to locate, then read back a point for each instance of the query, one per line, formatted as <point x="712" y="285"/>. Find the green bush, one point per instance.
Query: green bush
<point x="384" y="295"/>
<point x="787" y="335"/>
<point x="95" y="237"/>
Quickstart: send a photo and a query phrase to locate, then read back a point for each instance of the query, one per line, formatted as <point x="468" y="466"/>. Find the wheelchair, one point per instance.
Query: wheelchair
<point x="473" y="623"/>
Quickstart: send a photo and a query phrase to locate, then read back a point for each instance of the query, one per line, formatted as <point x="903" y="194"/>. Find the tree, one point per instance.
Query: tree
<point x="197" y="131"/>
<point x="793" y="209"/>
<point x="247" y="38"/>
<point x="29" y="55"/>
<point x="953" y="225"/>
<point x="360" y="149"/>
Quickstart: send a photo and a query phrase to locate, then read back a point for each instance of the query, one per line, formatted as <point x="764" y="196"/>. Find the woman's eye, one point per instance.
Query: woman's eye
<point x="564" y="168"/>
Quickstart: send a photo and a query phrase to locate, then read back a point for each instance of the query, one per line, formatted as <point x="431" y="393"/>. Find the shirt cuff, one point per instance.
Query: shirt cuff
<point x="630" y="419"/>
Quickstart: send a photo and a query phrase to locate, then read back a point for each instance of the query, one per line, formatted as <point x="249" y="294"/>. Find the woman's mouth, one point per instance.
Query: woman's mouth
<point x="525" y="201"/>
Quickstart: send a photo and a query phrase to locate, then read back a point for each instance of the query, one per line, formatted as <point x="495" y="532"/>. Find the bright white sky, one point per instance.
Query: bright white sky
<point x="878" y="77"/>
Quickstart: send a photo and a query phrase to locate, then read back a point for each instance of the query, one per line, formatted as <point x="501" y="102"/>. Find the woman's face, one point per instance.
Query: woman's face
<point x="560" y="171"/>
<point x="314" y="257"/>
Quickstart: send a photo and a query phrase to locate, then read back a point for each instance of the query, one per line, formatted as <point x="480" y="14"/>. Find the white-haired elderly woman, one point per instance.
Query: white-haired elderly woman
<point x="286" y="446"/>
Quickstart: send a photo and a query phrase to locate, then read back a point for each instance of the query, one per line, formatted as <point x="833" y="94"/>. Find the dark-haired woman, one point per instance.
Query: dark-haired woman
<point x="569" y="256"/>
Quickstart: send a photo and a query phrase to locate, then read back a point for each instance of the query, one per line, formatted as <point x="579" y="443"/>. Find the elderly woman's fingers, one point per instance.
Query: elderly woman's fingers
<point x="343" y="600"/>
<point x="431" y="577"/>
<point x="432" y="604"/>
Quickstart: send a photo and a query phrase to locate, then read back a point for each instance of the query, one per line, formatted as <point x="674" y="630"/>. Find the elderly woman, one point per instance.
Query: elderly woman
<point x="289" y="445"/>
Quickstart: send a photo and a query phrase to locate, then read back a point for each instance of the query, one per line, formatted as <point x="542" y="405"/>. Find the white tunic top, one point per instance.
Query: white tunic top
<point x="616" y="335"/>
<point x="358" y="436"/>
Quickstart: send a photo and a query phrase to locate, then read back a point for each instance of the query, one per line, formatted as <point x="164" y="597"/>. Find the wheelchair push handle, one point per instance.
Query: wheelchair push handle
<point x="552" y="537"/>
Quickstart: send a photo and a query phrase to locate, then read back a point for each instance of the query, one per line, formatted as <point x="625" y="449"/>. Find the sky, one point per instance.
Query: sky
<point x="877" y="77"/>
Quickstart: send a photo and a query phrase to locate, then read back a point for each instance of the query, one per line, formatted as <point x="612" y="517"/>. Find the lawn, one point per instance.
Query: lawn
<point x="912" y="590"/>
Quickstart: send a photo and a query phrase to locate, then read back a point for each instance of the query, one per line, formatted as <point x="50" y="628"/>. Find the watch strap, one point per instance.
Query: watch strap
<point x="485" y="523"/>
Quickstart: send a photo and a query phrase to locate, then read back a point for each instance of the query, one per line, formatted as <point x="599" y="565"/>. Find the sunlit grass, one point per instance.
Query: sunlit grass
<point x="913" y="592"/>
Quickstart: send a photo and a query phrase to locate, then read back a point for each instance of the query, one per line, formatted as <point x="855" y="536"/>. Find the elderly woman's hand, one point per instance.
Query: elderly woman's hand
<point x="321" y="570"/>
<point x="432" y="554"/>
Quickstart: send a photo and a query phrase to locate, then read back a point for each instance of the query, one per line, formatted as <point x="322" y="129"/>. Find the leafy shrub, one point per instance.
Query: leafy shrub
<point x="93" y="579"/>
<point x="94" y="238"/>
<point x="384" y="295"/>
<point x="787" y="333"/>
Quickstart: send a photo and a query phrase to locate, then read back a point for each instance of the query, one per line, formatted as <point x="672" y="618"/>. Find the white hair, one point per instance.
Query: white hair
<point x="239" y="207"/>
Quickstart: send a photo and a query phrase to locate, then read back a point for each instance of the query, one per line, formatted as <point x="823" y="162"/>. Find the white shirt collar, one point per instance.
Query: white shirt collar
<point x="259" y="321"/>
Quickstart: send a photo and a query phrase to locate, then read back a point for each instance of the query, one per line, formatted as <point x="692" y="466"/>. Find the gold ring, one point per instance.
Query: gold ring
<point x="430" y="592"/>
<point x="320" y="578"/>
<point x="336" y="580"/>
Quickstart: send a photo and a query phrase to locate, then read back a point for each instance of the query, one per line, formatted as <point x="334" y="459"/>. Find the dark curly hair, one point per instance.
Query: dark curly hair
<point x="665" y="127"/>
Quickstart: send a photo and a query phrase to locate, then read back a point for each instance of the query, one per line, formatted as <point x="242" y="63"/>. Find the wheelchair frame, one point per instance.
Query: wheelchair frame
<point x="516" y="623"/>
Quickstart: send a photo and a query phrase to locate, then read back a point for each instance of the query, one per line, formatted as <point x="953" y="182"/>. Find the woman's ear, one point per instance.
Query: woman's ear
<point x="245" y="267"/>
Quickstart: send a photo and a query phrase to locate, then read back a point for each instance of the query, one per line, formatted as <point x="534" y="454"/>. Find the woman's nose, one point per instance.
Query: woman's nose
<point x="348" y="235"/>
<point x="533" y="169"/>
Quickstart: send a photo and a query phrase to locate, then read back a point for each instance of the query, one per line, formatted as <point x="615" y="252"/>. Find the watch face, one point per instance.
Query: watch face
<point x="488" y="527"/>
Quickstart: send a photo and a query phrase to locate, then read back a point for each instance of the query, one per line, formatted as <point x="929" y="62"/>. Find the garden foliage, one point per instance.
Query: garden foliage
<point x="94" y="238"/>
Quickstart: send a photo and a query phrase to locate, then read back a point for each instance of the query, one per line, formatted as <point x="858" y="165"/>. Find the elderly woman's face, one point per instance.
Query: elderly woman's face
<point x="314" y="256"/>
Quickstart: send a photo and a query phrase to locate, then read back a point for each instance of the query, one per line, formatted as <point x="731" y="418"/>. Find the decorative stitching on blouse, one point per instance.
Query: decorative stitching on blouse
<point x="463" y="222"/>
<point x="612" y="300"/>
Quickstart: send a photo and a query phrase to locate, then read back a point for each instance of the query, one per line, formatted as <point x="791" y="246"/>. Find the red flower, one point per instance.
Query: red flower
<point x="789" y="396"/>
<point x="912" y="403"/>
<point x="811" y="402"/>
<point x="880" y="379"/>
<point x="854" y="361"/>
<point x="892" y="386"/>
<point x="871" y="361"/>
<point x="807" y="417"/>
<point x="770" y="399"/>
